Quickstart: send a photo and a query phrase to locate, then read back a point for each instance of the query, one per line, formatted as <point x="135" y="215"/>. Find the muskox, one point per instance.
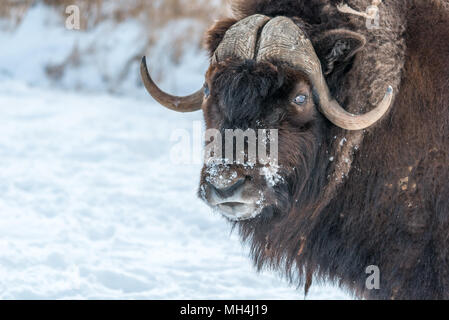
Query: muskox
<point x="362" y="116"/>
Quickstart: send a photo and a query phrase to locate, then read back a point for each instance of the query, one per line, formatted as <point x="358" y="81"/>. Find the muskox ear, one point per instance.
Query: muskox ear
<point x="335" y="48"/>
<point x="216" y="33"/>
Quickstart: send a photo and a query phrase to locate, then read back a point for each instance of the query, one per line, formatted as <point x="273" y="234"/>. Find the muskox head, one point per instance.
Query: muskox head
<point x="267" y="82"/>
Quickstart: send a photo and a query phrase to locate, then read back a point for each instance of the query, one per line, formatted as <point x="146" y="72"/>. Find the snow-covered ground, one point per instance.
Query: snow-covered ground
<point x="90" y="204"/>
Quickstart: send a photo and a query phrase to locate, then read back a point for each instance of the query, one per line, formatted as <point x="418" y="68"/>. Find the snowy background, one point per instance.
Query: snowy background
<point x="90" y="205"/>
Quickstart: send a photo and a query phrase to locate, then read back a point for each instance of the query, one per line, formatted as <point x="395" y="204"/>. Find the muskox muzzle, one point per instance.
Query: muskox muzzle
<point x="263" y="39"/>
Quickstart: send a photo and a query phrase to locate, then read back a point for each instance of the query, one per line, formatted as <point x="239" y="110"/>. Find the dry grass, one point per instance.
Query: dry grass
<point x="14" y="9"/>
<point x="153" y="12"/>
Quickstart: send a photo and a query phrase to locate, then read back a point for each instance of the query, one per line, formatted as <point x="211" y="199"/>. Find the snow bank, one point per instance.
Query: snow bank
<point x="43" y="52"/>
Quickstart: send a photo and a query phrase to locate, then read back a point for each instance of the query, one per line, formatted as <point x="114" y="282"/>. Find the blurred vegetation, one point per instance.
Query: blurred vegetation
<point x="153" y="15"/>
<point x="14" y="9"/>
<point x="153" y="12"/>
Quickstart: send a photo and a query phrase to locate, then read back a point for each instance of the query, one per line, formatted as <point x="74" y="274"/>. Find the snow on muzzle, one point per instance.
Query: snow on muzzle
<point x="240" y="171"/>
<point x="234" y="191"/>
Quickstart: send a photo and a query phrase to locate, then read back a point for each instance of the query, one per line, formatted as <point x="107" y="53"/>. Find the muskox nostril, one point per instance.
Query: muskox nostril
<point x="226" y="190"/>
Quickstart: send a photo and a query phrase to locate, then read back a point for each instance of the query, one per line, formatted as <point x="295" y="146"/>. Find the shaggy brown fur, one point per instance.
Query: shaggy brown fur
<point x="384" y="200"/>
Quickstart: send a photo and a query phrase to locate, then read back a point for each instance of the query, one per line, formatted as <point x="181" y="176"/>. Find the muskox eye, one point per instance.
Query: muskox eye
<point x="206" y="91"/>
<point x="300" y="99"/>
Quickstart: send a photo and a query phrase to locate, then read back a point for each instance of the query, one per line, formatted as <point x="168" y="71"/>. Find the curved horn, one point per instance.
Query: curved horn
<point x="189" y="103"/>
<point x="241" y="39"/>
<point x="282" y="39"/>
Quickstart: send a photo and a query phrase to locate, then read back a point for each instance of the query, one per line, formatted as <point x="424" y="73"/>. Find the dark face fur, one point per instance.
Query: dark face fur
<point x="271" y="95"/>
<point x="249" y="95"/>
